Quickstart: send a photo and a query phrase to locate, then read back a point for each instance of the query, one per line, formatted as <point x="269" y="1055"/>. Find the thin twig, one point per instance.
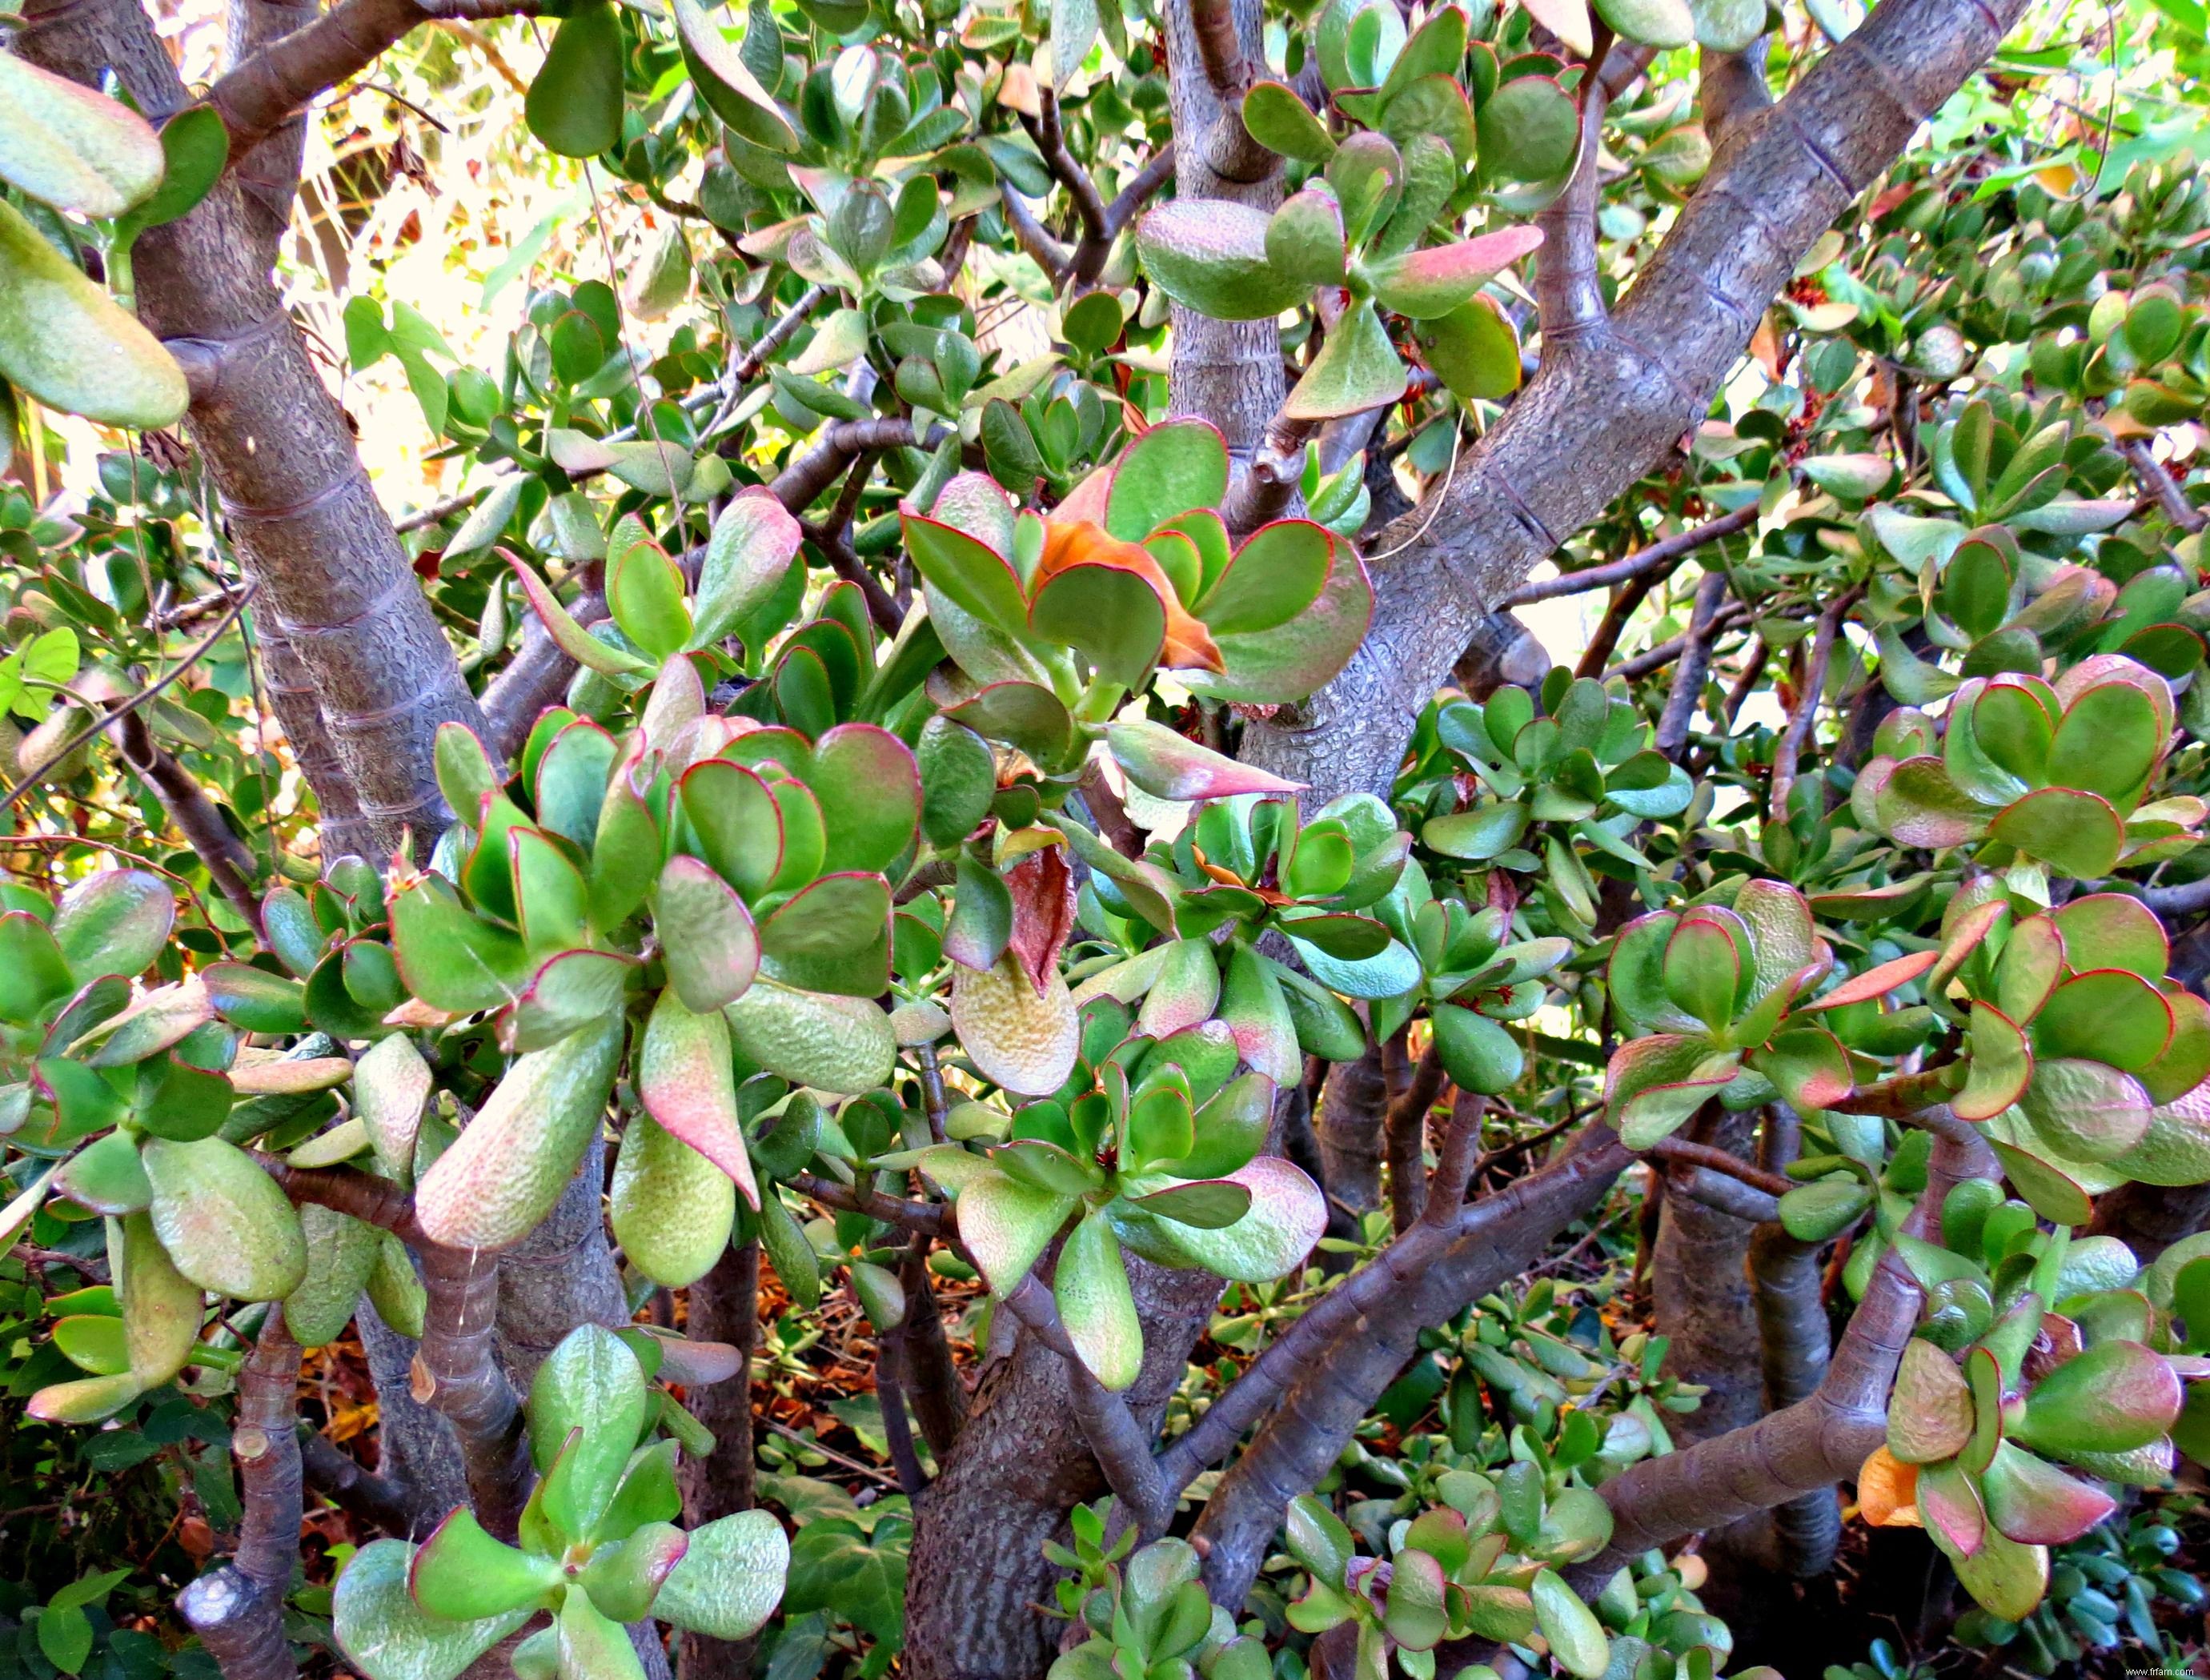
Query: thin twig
<point x="108" y="719"/>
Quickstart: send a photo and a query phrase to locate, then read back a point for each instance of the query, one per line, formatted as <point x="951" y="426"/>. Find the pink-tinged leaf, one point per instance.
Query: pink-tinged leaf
<point x="1951" y="1508"/>
<point x="1919" y="805"/>
<point x="751" y="549"/>
<point x="870" y="792"/>
<point x="1929" y="1415"/>
<point x="973" y="503"/>
<point x="1675" y="1073"/>
<point x="1287" y="663"/>
<point x="1042" y="887"/>
<point x="975" y="578"/>
<point x="1875" y="983"/>
<point x="1431" y="282"/>
<point x="1808" y="1066"/>
<point x="706" y="935"/>
<point x="1959" y="942"/>
<point x="2033" y="1501"/>
<point x="2002" y="1065"/>
<point x="1167" y="765"/>
<point x="684" y="1080"/>
<point x="570" y="637"/>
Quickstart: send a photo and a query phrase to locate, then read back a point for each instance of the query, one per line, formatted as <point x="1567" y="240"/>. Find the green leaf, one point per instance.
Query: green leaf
<point x="2115" y="1396"/>
<point x="2079" y="834"/>
<point x="727" y="84"/>
<point x="1474" y="350"/>
<point x="1112" y="615"/>
<point x="575" y="104"/>
<point x="1171" y="766"/>
<point x="195" y="149"/>
<point x="707" y="936"/>
<point x="1177" y="466"/>
<point x="1006" y="1225"/>
<point x="1304" y="239"/>
<point x="74" y="148"/>
<point x="223" y="1220"/>
<point x="730" y="1577"/>
<point x="1530" y="130"/>
<point x="840" y="1044"/>
<point x="1357" y="368"/>
<point x="342" y="1252"/>
<point x="2085" y="1110"/>
<point x="461" y="1574"/>
<point x="1210" y="255"/>
<point x="591" y="1383"/>
<point x="388" y="1636"/>
<point x="591" y="1645"/>
<point x="1930" y="1414"/>
<point x="1286" y="1218"/>
<point x="114" y="922"/>
<point x="1091" y="1288"/>
<point x="1577" y="1638"/>
<point x="497" y="1183"/>
<point x="644" y="591"/>
<point x="1478" y="1052"/>
<point x="1277" y="119"/>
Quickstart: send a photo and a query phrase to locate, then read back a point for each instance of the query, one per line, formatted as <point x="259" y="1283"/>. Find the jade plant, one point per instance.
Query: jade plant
<point x="2036" y="1350"/>
<point x="596" y="1546"/>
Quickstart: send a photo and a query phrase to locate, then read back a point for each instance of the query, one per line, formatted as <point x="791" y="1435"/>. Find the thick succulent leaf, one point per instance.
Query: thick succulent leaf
<point x="1478" y="1054"/>
<point x="1428" y="283"/>
<point x="2112" y="930"/>
<point x="575" y="102"/>
<point x="1919" y="805"/>
<point x="2002" y="1064"/>
<point x="730" y="1578"/>
<point x="1018" y="1037"/>
<point x="1177" y="466"/>
<point x="685" y="1082"/>
<point x="1284" y="664"/>
<point x="223" y="1220"/>
<point x="1280" y="121"/>
<point x="1474" y="350"/>
<point x="2005" y="1578"/>
<point x="588" y="1403"/>
<point x="1006" y="1224"/>
<point x="501" y="1177"/>
<point x="706" y="934"/>
<point x="71" y="147"/>
<point x="69" y="345"/>
<point x="2113" y="1397"/>
<point x="2109" y="1015"/>
<point x="1357" y="368"/>
<point x="1275" y="575"/>
<point x="388" y="1636"/>
<point x="1210" y="255"/>
<point x="842" y="1045"/>
<point x="1256" y="1011"/>
<point x="1929" y="1415"/>
<point x="114" y="922"/>
<point x="342" y="1252"/>
<point x="751" y="546"/>
<point x="461" y="1574"/>
<point x="1168" y="765"/>
<point x="2085" y="1109"/>
<point x="2076" y="832"/>
<point x="161" y="1307"/>
<point x="1654" y="1084"/>
<point x="2033" y="1501"/>
<point x="1286" y="1218"/>
<point x="1091" y="1289"/>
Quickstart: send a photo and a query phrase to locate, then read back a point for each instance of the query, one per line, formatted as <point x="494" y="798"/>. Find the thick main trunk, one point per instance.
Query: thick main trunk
<point x="978" y="1571"/>
<point x="1600" y="415"/>
<point x="336" y="584"/>
<point x="724" y="1307"/>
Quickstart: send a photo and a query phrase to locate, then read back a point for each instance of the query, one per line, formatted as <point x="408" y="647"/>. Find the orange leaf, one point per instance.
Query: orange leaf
<point x="1189" y="645"/>
<point x="1888" y="1491"/>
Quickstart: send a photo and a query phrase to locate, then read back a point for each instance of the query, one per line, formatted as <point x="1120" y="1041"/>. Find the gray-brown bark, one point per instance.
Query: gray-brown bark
<point x="724" y="1307"/>
<point x="1600" y="412"/>
<point x="977" y="1566"/>
<point x="1352" y="1105"/>
<point x="302" y="517"/>
<point x="238" y="1611"/>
